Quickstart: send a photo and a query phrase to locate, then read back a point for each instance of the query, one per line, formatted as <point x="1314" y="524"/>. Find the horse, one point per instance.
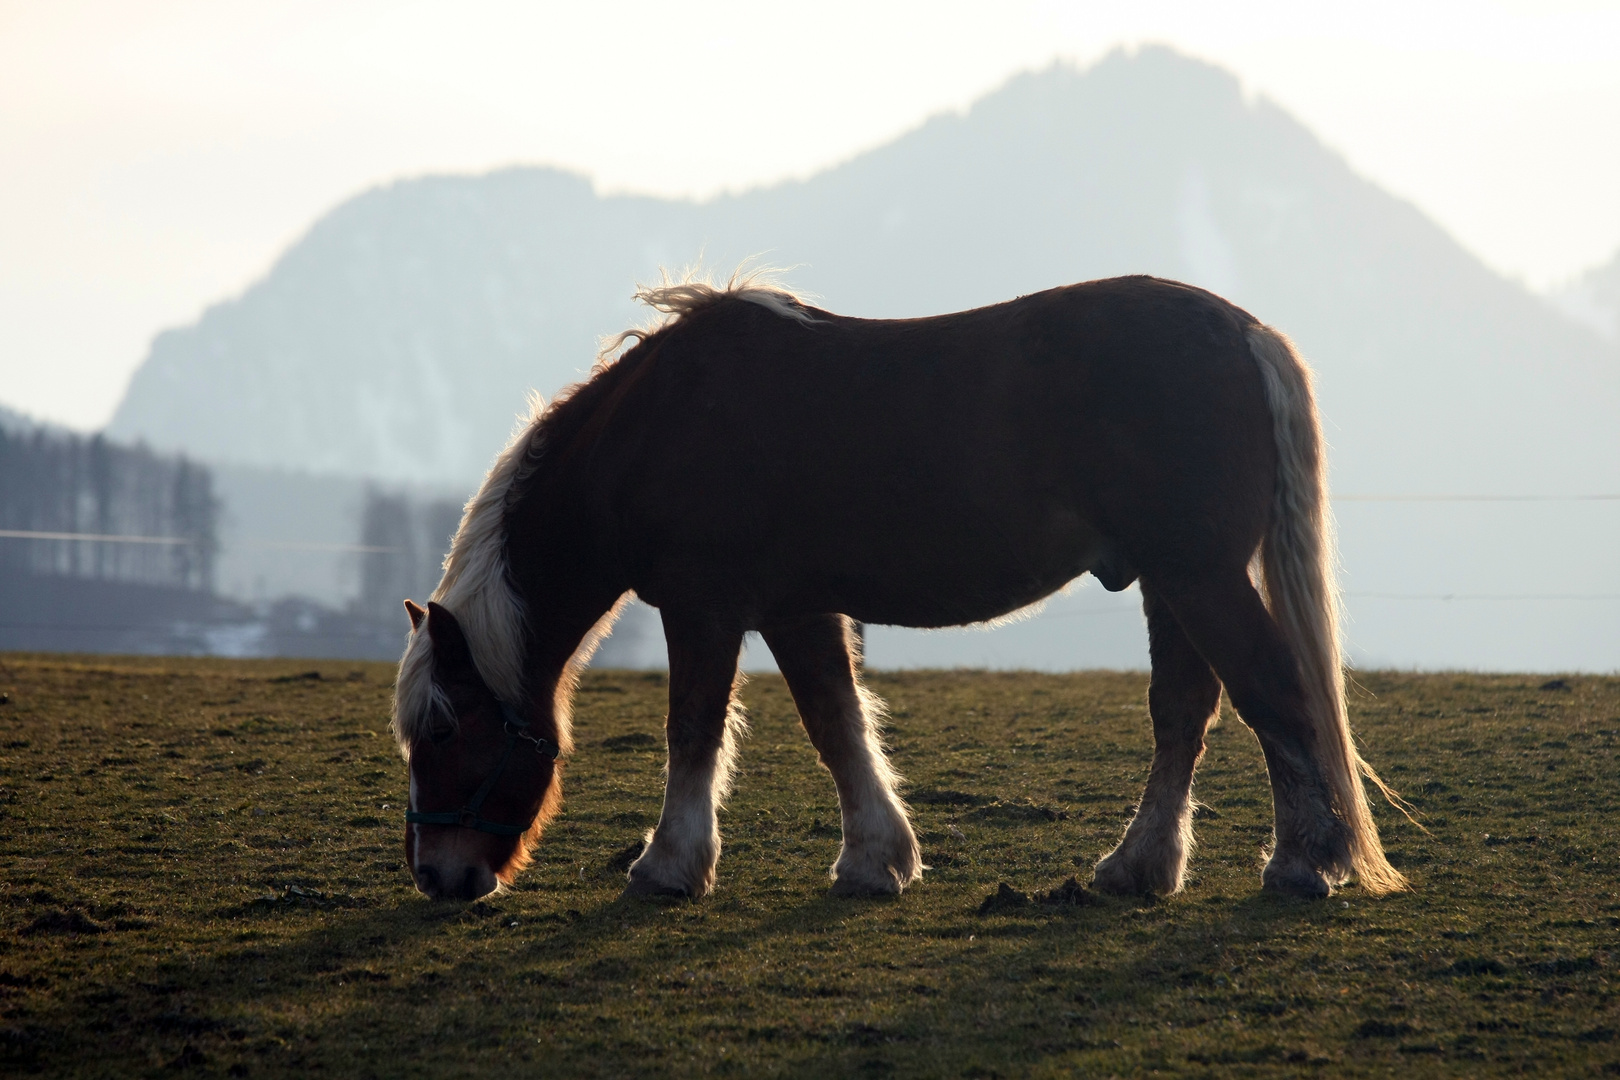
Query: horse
<point x="753" y="463"/>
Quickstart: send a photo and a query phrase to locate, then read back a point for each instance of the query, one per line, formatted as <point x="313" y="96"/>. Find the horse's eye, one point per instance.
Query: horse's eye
<point x="440" y="735"/>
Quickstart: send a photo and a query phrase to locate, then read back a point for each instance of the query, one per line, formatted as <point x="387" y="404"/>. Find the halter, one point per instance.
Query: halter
<point x="467" y="817"/>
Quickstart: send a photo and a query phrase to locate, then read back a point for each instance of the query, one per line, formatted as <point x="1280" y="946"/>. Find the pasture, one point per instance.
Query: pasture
<point x="201" y="874"/>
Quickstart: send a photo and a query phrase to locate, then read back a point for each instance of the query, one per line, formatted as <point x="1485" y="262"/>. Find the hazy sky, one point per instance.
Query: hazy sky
<point x="156" y="156"/>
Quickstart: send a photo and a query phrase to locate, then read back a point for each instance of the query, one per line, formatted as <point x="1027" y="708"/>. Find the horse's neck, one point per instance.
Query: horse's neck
<point x="561" y="639"/>
<point x="556" y="570"/>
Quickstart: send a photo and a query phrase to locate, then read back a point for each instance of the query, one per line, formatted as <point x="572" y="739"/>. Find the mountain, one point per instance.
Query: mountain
<point x="397" y="339"/>
<point x="13" y="422"/>
<point x="1593" y="299"/>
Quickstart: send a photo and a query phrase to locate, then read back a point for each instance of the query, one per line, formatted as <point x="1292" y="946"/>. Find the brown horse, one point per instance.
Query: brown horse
<point x="757" y="464"/>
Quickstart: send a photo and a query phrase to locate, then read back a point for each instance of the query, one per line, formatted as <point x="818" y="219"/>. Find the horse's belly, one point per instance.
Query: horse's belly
<point x="934" y="609"/>
<point x="939" y="529"/>
<point x="974" y="576"/>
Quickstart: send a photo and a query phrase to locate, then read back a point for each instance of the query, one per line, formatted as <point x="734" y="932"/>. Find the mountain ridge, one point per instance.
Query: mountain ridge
<point x="1593" y="299"/>
<point x="397" y="338"/>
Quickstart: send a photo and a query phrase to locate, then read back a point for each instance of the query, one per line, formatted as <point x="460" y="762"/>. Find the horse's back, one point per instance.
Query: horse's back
<point x="929" y="471"/>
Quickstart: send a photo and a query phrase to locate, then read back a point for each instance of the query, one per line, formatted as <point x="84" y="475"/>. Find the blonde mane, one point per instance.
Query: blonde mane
<point x="695" y="290"/>
<point x="476" y="588"/>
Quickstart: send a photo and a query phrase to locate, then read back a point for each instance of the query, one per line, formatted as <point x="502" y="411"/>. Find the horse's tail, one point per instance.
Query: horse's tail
<point x="1298" y="562"/>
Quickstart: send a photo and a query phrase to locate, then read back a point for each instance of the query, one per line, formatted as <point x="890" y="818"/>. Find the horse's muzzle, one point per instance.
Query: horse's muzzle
<point x="454" y="882"/>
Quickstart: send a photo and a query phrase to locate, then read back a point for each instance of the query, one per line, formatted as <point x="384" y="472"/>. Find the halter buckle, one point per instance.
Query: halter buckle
<point x="516" y="729"/>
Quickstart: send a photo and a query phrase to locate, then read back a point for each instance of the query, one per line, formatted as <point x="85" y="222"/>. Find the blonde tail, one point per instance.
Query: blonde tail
<point x="1298" y="561"/>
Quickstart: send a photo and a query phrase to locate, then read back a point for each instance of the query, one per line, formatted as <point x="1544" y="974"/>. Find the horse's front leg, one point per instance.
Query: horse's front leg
<point x="1182" y="697"/>
<point x="880" y="854"/>
<point x="702" y="728"/>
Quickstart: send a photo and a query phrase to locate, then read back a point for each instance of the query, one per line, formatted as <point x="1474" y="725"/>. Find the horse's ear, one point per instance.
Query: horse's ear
<point x="417" y="613"/>
<point x="451" y="653"/>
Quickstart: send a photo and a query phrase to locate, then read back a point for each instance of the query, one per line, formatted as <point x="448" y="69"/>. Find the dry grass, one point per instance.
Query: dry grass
<point x="200" y="870"/>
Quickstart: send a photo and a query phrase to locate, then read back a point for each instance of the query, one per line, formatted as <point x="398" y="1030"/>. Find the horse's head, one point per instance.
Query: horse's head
<point x="483" y="783"/>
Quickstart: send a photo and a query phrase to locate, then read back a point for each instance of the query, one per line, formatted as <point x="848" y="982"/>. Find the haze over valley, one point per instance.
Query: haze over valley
<point x="395" y="342"/>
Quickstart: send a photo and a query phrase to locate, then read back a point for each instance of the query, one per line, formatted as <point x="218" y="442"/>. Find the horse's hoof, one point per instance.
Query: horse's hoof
<point x="1293" y="876"/>
<point x="1114" y="875"/>
<point x="656" y="890"/>
<point x="853" y="887"/>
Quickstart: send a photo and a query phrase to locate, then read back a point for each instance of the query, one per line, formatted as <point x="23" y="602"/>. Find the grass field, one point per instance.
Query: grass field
<point x="201" y="872"/>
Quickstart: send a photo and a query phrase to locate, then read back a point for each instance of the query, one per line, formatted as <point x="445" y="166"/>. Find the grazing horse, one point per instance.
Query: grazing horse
<point x="757" y="464"/>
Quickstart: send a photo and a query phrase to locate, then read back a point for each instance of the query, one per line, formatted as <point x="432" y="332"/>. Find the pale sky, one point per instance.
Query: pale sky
<point x="155" y="157"/>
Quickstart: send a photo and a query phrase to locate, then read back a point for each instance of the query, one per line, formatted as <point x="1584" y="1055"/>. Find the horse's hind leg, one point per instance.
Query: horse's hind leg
<point x="702" y="730"/>
<point x="1225" y="618"/>
<point x="880" y="851"/>
<point x="1182" y="697"/>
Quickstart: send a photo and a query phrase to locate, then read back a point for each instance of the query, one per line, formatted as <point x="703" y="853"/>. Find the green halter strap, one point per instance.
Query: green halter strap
<point x="467" y="817"/>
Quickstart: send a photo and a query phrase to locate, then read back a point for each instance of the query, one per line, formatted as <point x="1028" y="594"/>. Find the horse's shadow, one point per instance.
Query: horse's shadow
<point x="362" y="965"/>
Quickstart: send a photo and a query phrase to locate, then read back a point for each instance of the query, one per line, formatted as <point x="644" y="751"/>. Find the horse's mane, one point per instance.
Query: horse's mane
<point x="476" y="587"/>
<point x="676" y="300"/>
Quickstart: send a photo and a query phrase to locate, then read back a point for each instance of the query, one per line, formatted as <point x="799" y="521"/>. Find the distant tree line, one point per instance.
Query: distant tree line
<point x="58" y="482"/>
<point x="407" y="539"/>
